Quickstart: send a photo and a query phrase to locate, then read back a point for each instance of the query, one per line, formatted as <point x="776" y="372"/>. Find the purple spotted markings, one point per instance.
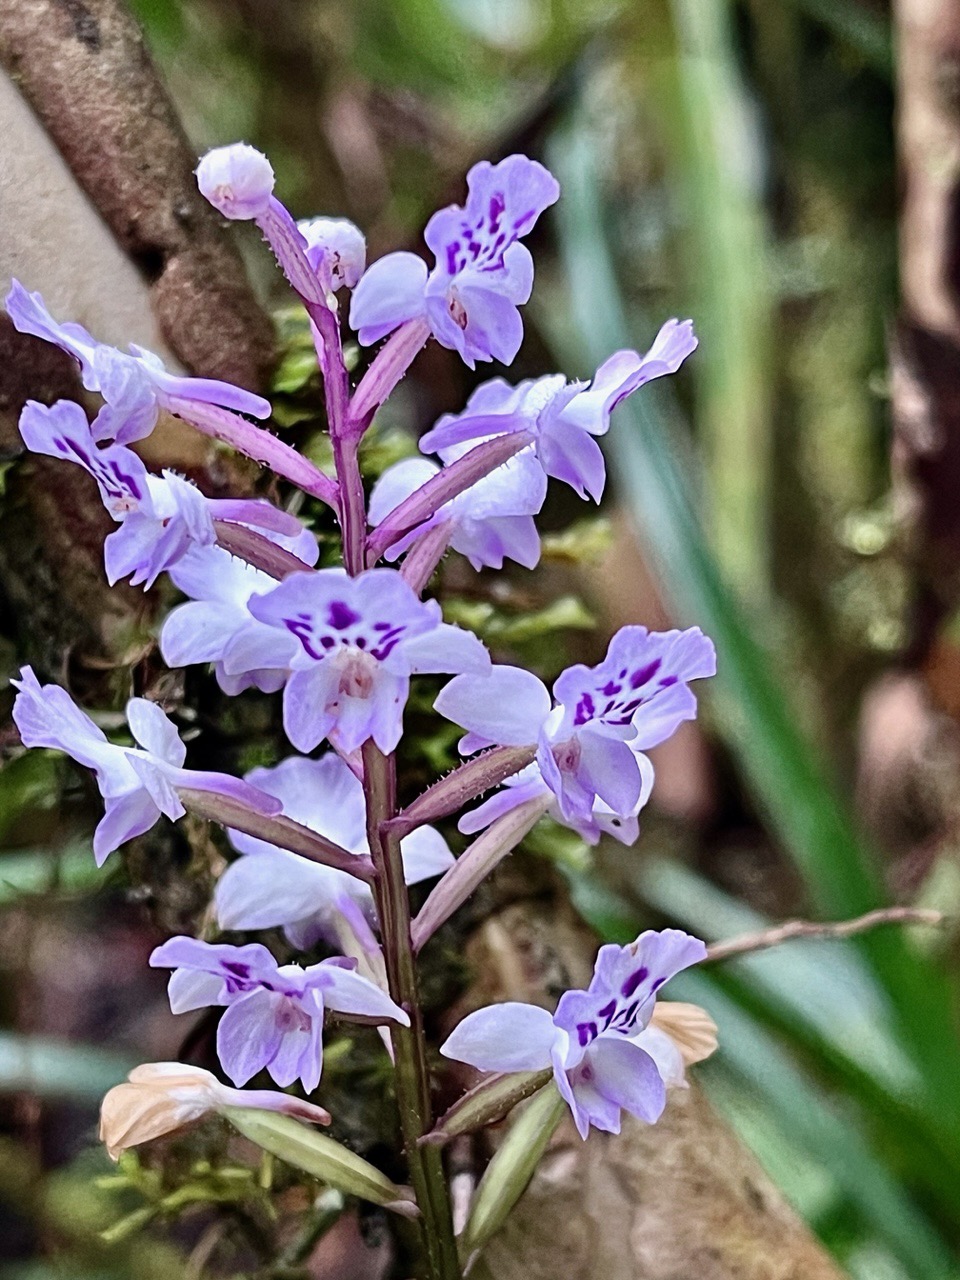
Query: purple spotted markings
<point x="591" y="735"/>
<point x="161" y="518"/>
<point x="360" y="641"/>
<point x="605" y="1055"/>
<point x="274" y="1013"/>
<point x="483" y="273"/>
<point x="564" y="418"/>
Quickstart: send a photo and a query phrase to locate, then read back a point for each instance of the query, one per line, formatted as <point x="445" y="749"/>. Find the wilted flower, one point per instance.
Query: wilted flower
<point x="162" y="1097"/>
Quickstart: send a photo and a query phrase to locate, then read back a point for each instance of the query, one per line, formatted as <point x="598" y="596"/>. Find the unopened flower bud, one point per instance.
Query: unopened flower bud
<point x="237" y="180"/>
<point x="336" y="250"/>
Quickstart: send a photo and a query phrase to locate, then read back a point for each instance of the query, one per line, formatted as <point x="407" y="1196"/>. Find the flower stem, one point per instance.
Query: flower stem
<point x="352" y="503"/>
<point x="412" y="1075"/>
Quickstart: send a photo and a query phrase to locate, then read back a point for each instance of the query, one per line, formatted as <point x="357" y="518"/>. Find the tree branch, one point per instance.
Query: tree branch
<point x="763" y="939"/>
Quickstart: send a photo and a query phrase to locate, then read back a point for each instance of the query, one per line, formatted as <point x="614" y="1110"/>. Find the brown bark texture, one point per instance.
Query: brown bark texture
<point x="83" y="67"/>
<point x="101" y="214"/>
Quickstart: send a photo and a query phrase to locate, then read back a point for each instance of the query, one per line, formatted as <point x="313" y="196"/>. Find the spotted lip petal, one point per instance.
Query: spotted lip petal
<point x="360" y="639"/>
<point x="594" y="1043"/>
<point x="482" y="272"/>
<point x="274" y="1013"/>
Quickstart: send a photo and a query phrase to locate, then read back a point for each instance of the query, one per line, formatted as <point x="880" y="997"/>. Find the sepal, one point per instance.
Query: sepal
<point x="322" y="1158"/>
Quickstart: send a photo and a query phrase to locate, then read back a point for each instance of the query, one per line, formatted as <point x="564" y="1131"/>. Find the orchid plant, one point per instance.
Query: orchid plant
<point x="326" y="855"/>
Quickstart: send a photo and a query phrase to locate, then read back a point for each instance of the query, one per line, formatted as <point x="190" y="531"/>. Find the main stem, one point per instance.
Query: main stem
<point x="389" y="888"/>
<point x="409" y="1043"/>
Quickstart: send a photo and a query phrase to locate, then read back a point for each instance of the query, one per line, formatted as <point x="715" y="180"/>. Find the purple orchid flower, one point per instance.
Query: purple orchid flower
<point x="595" y="1040"/>
<point x="590" y="742"/>
<point x="138" y="784"/>
<point x="564" y="417"/>
<point x="161" y="517"/>
<point x="490" y="521"/>
<point x="272" y="888"/>
<point x="274" y="1013"/>
<point x="135" y="386"/>
<point x="482" y="274"/>
<point x="220" y="587"/>
<point x="360" y="641"/>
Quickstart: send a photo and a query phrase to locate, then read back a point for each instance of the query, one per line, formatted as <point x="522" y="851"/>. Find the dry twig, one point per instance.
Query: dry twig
<point x="763" y="939"/>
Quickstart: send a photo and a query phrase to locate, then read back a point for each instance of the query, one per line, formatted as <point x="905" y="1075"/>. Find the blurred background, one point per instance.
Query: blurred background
<point x="793" y="492"/>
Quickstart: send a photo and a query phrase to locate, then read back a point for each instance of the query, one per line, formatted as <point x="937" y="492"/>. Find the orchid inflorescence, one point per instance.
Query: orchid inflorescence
<point x="325" y="854"/>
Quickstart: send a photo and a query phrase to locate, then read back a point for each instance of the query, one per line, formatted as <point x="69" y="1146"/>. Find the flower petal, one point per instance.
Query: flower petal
<point x="155" y="732"/>
<point x="345" y="991"/>
<point x="125" y="817"/>
<point x="508" y="706"/>
<point x="389" y="292"/>
<point x="248" y="1036"/>
<point x="627" y="1077"/>
<point x="504" y="1037"/>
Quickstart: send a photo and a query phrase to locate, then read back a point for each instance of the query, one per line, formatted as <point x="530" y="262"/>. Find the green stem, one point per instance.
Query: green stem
<point x="411" y="1071"/>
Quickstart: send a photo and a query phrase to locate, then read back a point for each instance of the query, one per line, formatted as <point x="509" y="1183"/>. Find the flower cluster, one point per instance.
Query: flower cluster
<point x="324" y="854"/>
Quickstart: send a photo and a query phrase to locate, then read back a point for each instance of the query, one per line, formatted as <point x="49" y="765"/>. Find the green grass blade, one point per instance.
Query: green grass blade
<point x="53" y="1068"/>
<point x="868" y="33"/>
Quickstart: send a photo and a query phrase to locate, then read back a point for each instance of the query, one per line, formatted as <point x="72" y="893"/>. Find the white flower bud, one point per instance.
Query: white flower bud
<point x="237" y="180"/>
<point x="336" y="249"/>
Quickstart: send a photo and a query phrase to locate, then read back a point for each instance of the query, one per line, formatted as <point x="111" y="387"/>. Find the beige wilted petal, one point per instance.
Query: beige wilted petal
<point x="134" y="1113"/>
<point x="161" y="1097"/>
<point x="691" y="1028"/>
